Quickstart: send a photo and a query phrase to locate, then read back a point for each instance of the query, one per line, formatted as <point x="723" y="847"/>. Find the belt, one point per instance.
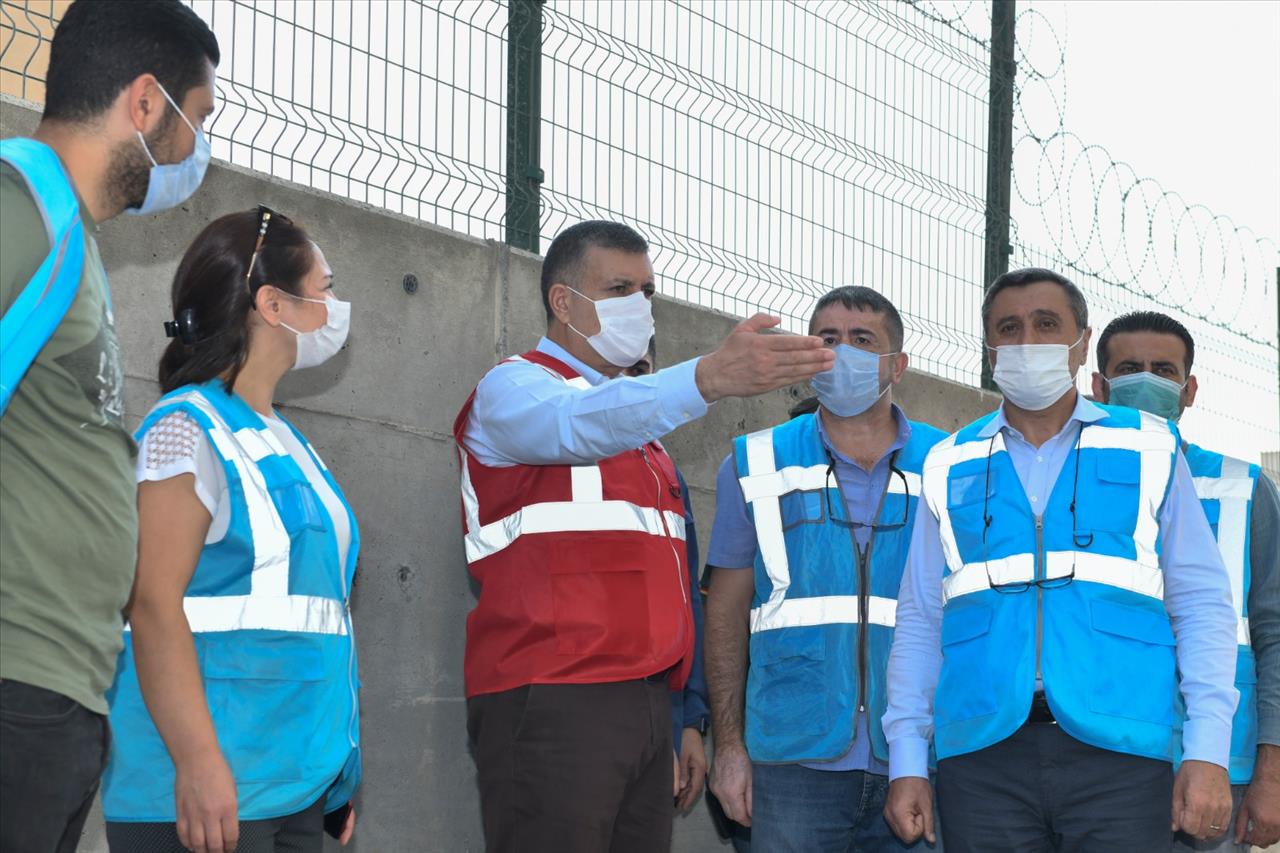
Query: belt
<point x="1040" y="712"/>
<point x="659" y="676"/>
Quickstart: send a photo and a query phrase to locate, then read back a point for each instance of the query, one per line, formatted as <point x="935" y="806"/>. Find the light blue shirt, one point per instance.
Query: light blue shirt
<point x="524" y="415"/>
<point x="733" y="545"/>
<point x="1197" y="597"/>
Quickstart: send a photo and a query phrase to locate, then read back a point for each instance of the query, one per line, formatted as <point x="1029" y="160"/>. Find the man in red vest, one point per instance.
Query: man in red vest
<point x="574" y="530"/>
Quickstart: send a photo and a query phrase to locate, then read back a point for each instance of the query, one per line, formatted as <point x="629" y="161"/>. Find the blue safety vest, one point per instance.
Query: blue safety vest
<point x="267" y="606"/>
<point x="34" y="315"/>
<point x="1225" y="488"/>
<point x="1098" y="635"/>
<point x="821" y="618"/>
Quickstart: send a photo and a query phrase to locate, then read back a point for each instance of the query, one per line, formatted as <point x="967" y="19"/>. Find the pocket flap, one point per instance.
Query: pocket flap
<point x="1118" y="466"/>
<point x="778" y="645"/>
<point x="1135" y="623"/>
<point x="967" y="489"/>
<point x="965" y="624"/>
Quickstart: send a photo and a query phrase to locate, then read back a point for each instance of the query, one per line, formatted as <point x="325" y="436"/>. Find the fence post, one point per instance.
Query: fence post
<point x="524" y="121"/>
<point x="999" y="154"/>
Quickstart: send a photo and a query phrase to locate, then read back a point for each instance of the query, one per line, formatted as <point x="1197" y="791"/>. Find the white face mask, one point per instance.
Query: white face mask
<point x="319" y="345"/>
<point x="1034" y="376"/>
<point x="626" y="325"/>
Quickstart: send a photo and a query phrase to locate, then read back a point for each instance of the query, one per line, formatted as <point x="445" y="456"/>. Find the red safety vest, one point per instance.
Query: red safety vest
<point x="583" y="569"/>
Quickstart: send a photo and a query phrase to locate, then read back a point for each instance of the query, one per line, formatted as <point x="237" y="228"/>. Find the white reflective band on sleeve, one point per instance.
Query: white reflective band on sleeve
<point x="587" y="484"/>
<point x="570" y="517"/>
<point x="1233" y="528"/>
<point x="1216" y="488"/>
<point x="822" y="610"/>
<point x="302" y="613"/>
<point x="268" y="606"/>
<point x="1119" y="572"/>
<point x="767" y="512"/>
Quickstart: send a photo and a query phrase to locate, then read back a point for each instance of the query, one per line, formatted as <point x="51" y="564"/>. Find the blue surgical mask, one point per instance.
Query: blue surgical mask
<point x="170" y="184"/>
<point x="852" y="385"/>
<point x="1148" y="392"/>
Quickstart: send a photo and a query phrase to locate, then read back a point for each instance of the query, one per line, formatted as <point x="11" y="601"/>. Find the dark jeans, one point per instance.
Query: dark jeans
<point x="575" y="768"/>
<point x="1042" y="790"/>
<point x="797" y="809"/>
<point x="52" y="752"/>
<point x="302" y="832"/>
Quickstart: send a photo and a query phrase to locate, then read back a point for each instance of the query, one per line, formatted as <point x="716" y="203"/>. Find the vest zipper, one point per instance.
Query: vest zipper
<point x="1037" y="575"/>
<point x="684" y="591"/>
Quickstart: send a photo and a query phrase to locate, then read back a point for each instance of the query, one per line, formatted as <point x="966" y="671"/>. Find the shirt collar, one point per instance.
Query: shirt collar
<point x="1086" y="412"/>
<point x="899" y="441"/>
<point x="553" y="349"/>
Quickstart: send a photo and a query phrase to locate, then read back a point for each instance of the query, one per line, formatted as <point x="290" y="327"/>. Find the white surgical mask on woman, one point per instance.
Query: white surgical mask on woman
<point x="319" y="345"/>
<point x="626" y="325"/>
<point x="1034" y="376"/>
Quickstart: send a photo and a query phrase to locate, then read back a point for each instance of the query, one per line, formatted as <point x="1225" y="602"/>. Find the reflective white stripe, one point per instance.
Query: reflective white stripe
<point x="1119" y="572"/>
<point x="1242" y="632"/>
<point x="1217" y="488"/>
<point x="793" y="478"/>
<point x="822" y="610"/>
<point x="1233" y="527"/>
<point x="302" y="613"/>
<point x="768" y="519"/>
<point x="586" y="483"/>
<point x="1155" y="445"/>
<point x="799" y="478"/>
<point x="268" y="606"/>
<point x="570" y="517"/>
<point x="937" y="467"/>
<point x="579" y="382"/>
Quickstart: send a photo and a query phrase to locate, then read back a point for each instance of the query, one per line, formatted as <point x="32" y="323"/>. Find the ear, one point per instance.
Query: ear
<point x="268" y="303"/>
<point x="899" y="367"/>
<point x="1101" y="390"/>
<point x="1189" y="393"/>
<point x="559" y="297"/>
<point x="145" y="102"/>
<point x="1084" y="344"/>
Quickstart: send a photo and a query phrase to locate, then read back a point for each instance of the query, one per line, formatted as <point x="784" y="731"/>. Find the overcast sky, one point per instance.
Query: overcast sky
<point x="1188" y="93"/>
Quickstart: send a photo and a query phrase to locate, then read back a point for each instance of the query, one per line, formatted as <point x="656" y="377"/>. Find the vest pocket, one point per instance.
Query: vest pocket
<point x="1135" y="673"/>
<point x="248" y="687"/>
<point x="600" y="600"/>
<point x="790" y="684"/>
<point x="803" y="508"/>
<point x="1112" y="503"/>
<point x="299" y="508"/>
<point x="967" y="664"/>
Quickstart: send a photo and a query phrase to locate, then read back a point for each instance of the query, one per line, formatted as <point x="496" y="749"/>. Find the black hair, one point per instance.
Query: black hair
<point x="807" y="406"/>
<point x="212" y="300"/>
<point x="864" y="299"/>
<point x="101" y="46"/>
<point x="1035" y="275"/>
<point x="1145" y="321"/>
<point x="566" y="251"/>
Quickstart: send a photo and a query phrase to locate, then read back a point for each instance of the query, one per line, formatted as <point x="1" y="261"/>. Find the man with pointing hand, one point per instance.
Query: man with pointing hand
<point x="574" y="530"/>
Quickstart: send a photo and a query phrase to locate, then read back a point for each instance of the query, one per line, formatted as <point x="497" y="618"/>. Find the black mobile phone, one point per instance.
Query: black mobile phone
<point x="336" y="821"/>
<point x="721" y="821"/>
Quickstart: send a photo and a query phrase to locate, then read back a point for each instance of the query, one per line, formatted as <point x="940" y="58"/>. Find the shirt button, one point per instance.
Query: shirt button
<point x="1033" y="498"/>
<point x="1039" y="458"/>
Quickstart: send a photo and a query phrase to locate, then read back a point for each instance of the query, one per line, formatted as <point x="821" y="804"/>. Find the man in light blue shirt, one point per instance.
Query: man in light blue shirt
<point x="1062" y="560"/>
<point x="574" y="532"/>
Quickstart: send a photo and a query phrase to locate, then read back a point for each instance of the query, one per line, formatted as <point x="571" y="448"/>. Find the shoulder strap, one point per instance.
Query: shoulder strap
<point x="36" y="313"/>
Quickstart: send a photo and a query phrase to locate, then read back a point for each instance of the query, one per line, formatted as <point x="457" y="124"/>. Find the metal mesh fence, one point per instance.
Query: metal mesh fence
<point x="769" y="149"/>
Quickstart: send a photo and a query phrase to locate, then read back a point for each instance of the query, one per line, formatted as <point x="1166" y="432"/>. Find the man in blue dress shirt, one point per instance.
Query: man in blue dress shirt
<point x="1063" y="587"/>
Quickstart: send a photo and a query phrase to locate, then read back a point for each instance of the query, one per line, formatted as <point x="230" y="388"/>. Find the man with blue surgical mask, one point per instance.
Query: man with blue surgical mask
<point x="1063" y="587"/>
<point x="574" y="531"/>
<point x="128" y="86"/>
<point x="1144" y="362"/>
<point x="813" y="519"/>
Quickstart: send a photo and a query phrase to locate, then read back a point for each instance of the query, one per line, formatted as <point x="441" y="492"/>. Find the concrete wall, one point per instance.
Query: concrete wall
<point x="380" y="414"/>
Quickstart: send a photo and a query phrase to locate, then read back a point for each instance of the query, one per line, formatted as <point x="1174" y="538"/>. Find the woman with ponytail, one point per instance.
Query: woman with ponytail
<point x="234" y="709"/>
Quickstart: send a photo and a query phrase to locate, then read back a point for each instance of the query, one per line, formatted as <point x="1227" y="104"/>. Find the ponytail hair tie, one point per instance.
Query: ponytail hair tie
<point x="183" y="328"/>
